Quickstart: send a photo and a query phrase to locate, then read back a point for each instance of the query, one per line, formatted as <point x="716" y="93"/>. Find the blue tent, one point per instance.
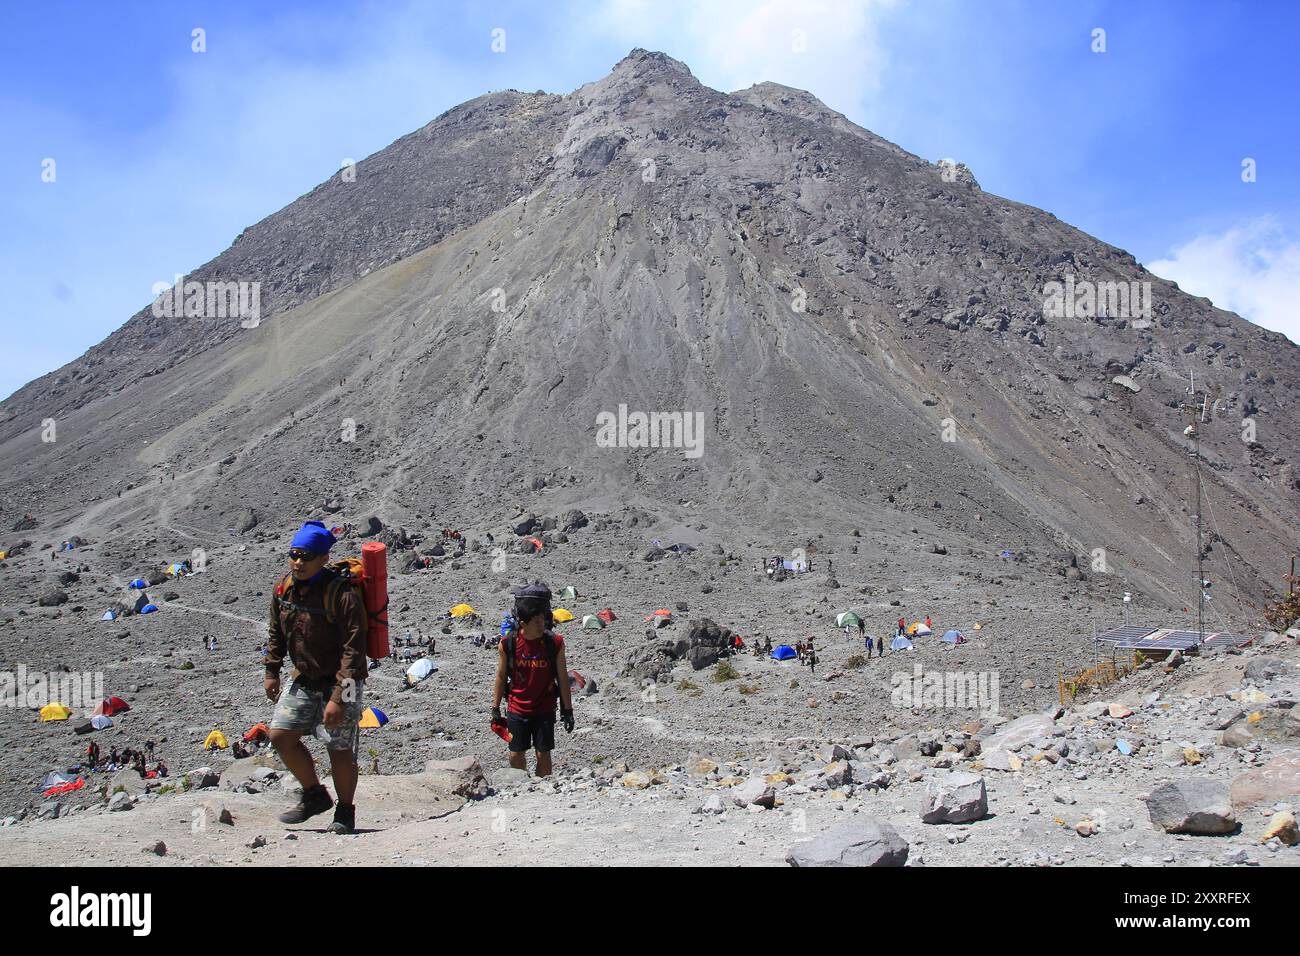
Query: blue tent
<point x="953" y="637"/>
<point x="148" y="608"/>
<point x="109" y="615"/>
<point x="784" y="653"/>
<point x="138" y="583"/>
<point x="900" y="644"/>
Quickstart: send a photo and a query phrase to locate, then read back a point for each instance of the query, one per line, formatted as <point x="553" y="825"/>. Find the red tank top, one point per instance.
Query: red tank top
<point x="532" y="685"/>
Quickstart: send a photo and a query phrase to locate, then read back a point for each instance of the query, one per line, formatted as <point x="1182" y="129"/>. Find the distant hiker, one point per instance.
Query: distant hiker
<point x="862" y="627"/>
<point x="321" y="624"/>
<point x="92" y="754"/>
<point x="160" y="769"/>
<point x="870" y="647"/>
<point x="491" y="540"/>
<point x="812" y="657"/>
<point x="531" y="673"/>
<point x="113" y="757"/>
<point x="928" y="623"/>
<point x="149" y="745"/>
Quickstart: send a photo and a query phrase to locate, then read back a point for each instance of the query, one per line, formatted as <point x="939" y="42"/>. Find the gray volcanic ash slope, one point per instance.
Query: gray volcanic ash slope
<point x="492" y="282"/>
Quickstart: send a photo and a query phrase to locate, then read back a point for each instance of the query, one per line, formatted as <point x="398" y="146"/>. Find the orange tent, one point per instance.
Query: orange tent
<point x="607" y="616"/>
<point x="257" y="732"/>
<point x="536" y="541"/>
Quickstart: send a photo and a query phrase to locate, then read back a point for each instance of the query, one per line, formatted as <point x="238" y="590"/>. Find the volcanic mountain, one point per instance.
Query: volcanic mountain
<point x="872" y="343"/>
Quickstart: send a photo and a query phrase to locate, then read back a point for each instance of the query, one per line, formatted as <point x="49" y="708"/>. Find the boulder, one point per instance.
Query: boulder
<point x="713" y="805"/>
<point x="864" y="842"/>
<point x="1278" y="781"/>
<point x="1195" y="806"/>
<point x="956" y="797"/>
<point x="523" y="524"/>
<point x="52" y="598"/>
<point x="121" y="801"/>
<point x="1021" y="731"/>
<point x="462" y="776"/>
<point x="1282" y="826"/>
<point x="201" y="778"/>
<point x="754" y="792"/>
<point x="1265" y="668"/>
<point x="246" y="520"/>
<point x="248" y="770"/>
<point x="573" y="520"/>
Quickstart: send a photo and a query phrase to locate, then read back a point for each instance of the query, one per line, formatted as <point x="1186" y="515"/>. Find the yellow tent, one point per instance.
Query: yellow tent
<point x="460" y="610"/>
<point x="3" y="555"/>
<point x="561" y="615"/>
<point x="55" y="711"/>
<point x="216" y="739"/>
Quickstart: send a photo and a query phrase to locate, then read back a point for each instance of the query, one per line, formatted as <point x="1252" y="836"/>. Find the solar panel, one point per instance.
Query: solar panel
<point x="1141" y="637"/>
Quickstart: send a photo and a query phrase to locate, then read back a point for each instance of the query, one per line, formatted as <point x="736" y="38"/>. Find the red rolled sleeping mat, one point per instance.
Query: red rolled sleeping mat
<point x="374" y="562"/>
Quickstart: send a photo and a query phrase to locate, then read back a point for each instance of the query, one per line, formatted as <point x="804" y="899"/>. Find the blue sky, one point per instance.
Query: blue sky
<point x="163" y="155"/>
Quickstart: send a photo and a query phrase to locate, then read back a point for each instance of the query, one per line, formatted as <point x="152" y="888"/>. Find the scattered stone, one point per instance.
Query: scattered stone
<point x="864" y="842"/>
<point x="1192" y="806"/>
<point x="956" y="797"/>
<point x="462" y="776"/>
<point x="1282" y="826"/>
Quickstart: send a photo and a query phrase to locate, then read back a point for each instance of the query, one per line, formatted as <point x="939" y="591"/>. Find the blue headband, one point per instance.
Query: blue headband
<point x="313" y="536"/>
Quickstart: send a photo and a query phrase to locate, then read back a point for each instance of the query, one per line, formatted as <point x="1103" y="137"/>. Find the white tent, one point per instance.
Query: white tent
<point x="420" y="670"/>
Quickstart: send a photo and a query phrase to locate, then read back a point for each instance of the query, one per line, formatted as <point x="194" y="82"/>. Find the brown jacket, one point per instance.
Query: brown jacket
<point x="324" y="646"/>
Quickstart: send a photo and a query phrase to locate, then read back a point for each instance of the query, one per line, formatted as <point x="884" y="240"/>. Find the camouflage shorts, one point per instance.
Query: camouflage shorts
<point x="302" y="708"/>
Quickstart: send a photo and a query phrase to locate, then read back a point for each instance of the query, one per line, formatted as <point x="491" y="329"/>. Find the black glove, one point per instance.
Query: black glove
<point x="496" y="714"/>
<point x="566" y="718"/>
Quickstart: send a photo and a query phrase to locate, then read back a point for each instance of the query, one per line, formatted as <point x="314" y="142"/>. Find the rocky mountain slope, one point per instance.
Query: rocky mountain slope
<point x="832" y="306"/>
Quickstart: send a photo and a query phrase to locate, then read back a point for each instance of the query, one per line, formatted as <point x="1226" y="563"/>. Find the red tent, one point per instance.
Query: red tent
<point x="65" y="787"/>
<point x="110" y="707"/>
<point x="607" y="616"/>
<point x="257" y="732"/>
<point x="537" y="542"/>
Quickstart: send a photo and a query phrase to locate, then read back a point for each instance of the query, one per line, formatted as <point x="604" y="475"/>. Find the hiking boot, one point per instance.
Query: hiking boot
<point x="345" y="819"/>
<point x="313" y="801"/>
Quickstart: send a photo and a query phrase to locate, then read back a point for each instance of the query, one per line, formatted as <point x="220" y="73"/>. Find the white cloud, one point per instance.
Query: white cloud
<point x="1252" y="269"/>
<point x="732" y="44"/>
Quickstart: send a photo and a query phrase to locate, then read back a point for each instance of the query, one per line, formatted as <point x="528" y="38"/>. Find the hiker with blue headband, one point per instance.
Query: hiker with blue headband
<point x="320" y="623"/>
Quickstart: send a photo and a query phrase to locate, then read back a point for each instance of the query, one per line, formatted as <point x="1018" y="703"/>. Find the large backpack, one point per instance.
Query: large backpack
<point x="344" y="573"/>
<point x="552" y="652"/>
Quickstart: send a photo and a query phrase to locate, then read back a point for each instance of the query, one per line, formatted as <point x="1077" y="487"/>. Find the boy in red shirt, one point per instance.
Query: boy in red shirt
<point x="532" y="674"/>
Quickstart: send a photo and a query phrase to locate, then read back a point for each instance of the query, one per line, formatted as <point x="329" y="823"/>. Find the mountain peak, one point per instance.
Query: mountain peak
<point x="640" y="62"/>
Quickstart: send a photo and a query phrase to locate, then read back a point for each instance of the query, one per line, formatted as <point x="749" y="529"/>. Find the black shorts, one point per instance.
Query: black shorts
<point x="531" y="733"/>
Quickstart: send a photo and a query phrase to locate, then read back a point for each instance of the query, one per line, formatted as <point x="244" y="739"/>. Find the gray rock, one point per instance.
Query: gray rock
<point x="462" y="776"/>
<point x="956" y="797"/>
<point x="1196" y="806"/>
<point x="753" y="792"/>
<point x="863" y="842"/>
<point x="121" y="801"/>
<point x="1264" y="668"/>
<point x="1021" y="731"/>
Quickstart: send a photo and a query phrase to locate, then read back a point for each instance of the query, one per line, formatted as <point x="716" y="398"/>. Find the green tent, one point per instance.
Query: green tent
<point x="592" y="623"/>
<point x="847" y="619"/>
<point x="569" y="594"/>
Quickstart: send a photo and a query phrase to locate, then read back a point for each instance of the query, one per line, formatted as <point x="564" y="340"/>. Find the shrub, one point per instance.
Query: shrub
<point x="687" y="684"/>
<point x="748" y="688"/>
<point x="857" y="660"/>
<point x="725" y="671"/>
